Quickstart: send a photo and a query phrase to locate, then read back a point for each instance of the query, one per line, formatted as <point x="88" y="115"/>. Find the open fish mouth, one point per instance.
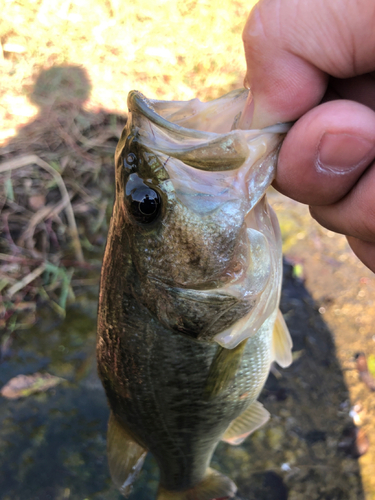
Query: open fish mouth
<point x="197" y="154"/>
<point x="206" y="156"/>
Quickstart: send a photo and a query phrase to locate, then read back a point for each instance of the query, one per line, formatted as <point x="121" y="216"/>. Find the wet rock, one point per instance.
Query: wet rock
<point x="265" y="486"/>
<point x="275" y="436"/>
<point x="315" y="436"/>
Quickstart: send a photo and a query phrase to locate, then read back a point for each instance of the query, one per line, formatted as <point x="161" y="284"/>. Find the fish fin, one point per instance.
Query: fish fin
<point x="213" y="486"/>
<point x="281" y="342"/>
<point x="249" y="421"/>
<point x="223" y="369"/>
<point x="125" y="456"/>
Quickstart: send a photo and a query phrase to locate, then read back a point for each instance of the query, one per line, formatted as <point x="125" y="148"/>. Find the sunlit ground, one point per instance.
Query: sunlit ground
<point x="167" y="49"/>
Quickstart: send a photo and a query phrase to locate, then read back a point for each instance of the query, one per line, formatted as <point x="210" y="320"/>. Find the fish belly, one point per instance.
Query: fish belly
<point x="157" y="390"/>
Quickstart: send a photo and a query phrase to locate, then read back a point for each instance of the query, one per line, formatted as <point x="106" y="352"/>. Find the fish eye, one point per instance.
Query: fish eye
<point x="130" y="159"/>
<point x="145" y="204"/>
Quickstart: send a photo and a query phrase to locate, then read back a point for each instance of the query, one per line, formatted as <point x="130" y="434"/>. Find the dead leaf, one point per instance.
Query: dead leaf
<point x="25" y="385"/>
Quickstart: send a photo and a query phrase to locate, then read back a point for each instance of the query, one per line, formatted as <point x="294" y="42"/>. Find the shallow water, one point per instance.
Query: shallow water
<point x="52" y="444"/>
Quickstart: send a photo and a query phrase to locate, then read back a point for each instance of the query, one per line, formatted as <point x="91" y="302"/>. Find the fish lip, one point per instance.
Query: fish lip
<point x="175" y="304"/>
<point x="138" y="103"/>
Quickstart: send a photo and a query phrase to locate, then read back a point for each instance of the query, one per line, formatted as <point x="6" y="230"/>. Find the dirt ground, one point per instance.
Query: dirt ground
<point x="343" y="291"/>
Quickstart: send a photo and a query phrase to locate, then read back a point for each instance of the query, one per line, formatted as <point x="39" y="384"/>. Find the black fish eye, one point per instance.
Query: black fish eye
<point x="144" y="204"/>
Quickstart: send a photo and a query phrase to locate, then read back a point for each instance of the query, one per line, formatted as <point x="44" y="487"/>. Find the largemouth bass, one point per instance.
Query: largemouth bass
<point x="188" y="322"/>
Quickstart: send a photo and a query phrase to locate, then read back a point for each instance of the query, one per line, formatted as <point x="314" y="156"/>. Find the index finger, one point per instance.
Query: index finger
<point x="292" y="46"/>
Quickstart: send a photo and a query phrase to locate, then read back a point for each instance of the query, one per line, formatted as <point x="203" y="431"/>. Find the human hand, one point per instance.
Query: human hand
<point x="314" y="61"/>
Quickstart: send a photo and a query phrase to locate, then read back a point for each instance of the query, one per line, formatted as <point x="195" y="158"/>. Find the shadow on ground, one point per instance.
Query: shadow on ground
<point x="56" y="196"/>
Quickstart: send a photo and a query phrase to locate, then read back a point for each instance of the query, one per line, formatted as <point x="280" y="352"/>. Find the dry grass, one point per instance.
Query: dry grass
<point x="66" y="68"/>
<point x="57" y="187"/>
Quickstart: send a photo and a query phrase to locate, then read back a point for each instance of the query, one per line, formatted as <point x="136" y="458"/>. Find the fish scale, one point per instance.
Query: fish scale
<point x="188" y="321"/>
<point x="185" y="230"/>
<point x="158" y="413"/>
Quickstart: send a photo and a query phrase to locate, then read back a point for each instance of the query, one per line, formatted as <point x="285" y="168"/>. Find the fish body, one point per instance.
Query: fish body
<point x="189" y="291"/>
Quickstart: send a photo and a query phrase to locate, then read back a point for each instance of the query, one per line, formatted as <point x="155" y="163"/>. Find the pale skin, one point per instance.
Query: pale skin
<point x="314" y="61"/>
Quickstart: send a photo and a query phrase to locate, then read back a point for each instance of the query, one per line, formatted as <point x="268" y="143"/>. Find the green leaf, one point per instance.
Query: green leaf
<point x="65" y="288"/>
<point x="56" y="166"/>
<point x="9" y="193"/>
<point x="298" y="271"/>
<point x="371" y="364"/>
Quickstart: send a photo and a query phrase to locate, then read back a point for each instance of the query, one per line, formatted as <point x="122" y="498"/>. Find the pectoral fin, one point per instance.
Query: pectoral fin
<point x="125" y="456"/>
<point x="223" y="369"/>
<point x="281" y="342"/>
<point x="249" y="421"/>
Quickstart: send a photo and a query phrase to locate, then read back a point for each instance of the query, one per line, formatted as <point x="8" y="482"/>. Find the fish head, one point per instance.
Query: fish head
<point x="192" y="212"/>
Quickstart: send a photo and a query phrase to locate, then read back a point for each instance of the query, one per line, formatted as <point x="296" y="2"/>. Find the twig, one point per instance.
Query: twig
<point x="7" y="232"/>
<point x="41" y="214"/>
<point x="64" y="262"/>
<point x="94" y="141"/>
<point x="7" y="278"/>
<point x="26" y="280"/>
<point x="71" y="143"/>
<point x="23" y="161"/>
<point x="22" y="260"/>
<point x="14" y="206"/>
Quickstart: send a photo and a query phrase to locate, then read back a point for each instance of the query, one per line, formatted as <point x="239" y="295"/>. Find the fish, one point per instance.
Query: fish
<point x="188" y="318"/>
